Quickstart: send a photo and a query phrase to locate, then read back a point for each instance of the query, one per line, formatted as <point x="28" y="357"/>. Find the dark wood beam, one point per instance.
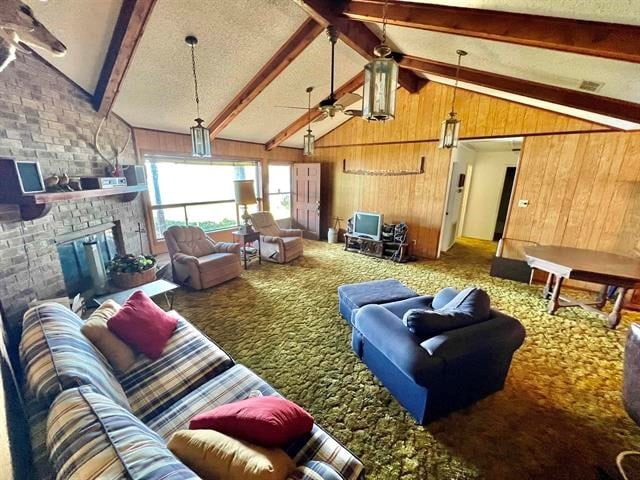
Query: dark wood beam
<point x="300" y="40"/>
<point x="126" y="35"/>
<point x="354" y="34"/>
<point x="588" y="102"/>
<point x="302" y="121"/>
<point x="600" y="39"/>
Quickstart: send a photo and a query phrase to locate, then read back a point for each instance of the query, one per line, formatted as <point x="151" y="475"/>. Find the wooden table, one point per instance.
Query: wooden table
<point x="152" y="289"/>
<point x="243" y="239"/>
<point x="586" y="265"/>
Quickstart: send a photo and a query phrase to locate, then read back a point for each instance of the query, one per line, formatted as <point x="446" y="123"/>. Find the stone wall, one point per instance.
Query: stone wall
<point x="46" y="117"/>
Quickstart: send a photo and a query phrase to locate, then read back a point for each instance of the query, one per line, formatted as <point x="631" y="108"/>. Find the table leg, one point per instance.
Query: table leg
<point x="244" y="246"/>
<point x="601" y="300"/>
<point x="616" y="313"/>
<point x="259" y="251"/>
<point x="554" y="302"/>
<point x="169" y="297"/>
<point x="546" y="293"/>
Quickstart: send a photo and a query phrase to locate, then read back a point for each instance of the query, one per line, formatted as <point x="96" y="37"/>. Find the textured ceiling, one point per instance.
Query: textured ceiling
<point x="235" y="40"/>
<point x="85" y="27"/>
<point x="263" y="119"/>
<point x="616" y="11"/>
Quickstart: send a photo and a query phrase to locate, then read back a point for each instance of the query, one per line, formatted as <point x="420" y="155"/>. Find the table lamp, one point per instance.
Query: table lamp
<point x="245" y="195"/>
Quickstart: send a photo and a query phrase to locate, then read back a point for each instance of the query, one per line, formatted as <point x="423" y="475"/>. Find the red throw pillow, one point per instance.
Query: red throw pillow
<point x="267" y="421"/>
<point x="143" y="325"/>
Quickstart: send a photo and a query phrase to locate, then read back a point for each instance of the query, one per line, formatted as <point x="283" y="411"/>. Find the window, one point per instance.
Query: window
<point x="198" y="193"/>
<point x="280" y="191"/>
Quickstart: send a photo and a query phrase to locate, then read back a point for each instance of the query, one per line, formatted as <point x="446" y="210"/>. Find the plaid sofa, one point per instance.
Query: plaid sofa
<point x="88" y="423"/>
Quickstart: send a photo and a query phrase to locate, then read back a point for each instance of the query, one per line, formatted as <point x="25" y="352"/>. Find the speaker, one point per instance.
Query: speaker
<point x="135" y="174"/>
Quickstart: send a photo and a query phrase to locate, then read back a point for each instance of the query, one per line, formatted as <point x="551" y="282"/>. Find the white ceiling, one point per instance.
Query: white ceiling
<point x="85" y="27"/>
<point x="494" y="145"/>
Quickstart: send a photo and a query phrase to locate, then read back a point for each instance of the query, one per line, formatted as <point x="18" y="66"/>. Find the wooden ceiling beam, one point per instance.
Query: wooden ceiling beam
<point x="300" y="40"/>
<point x="600" y="39"/>
<point x="302" y="121"/>
<point x="129" y="28"/>
<point x="354" y="34"/>
<point x="611" y="107"/>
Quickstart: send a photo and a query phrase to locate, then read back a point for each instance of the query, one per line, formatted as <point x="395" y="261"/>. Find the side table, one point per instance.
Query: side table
<point x="243" y="239"/>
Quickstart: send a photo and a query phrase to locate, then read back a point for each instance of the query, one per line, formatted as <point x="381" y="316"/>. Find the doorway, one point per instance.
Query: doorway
<point x="482" y="179"/>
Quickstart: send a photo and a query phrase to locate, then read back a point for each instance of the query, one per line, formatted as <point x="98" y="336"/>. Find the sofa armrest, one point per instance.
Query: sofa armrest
<point x="271" y="239"/>
<point x="227" y="247"/>
<point x="386" y="333"/>
<point x="185" y="259"/>
<point x="291" y="232"/>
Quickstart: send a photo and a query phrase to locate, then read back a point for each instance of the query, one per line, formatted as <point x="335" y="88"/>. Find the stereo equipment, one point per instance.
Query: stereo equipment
<point x="135" y="174"/>
<point x="98" y="183"/>
<point x="19" y="177"/>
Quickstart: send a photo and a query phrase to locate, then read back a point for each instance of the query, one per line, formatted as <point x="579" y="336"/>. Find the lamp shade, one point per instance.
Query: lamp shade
<point x="245" y="195"/>
<point x="380" y="85"/>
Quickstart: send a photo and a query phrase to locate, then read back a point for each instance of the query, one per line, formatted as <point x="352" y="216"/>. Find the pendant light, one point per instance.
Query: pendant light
<point x="309" y="139"/>
<point x="380" y="80"/>
<point x="451" y="126"/>
<point x="200" y="141"/>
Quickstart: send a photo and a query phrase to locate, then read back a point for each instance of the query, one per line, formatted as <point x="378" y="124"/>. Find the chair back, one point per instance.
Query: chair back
<point x="631" y="374"/>
<point x="188" y="240"/>
<point x="265" y="224"/>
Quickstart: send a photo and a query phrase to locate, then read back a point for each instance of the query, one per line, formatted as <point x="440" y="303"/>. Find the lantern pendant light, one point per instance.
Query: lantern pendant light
<point x="380" y="81"/>
<point x="200" y="141"/>
<point x="451" y="126"/>
<point x="309" y="139"/>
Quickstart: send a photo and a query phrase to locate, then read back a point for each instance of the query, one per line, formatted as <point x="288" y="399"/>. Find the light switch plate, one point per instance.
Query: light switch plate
<point x="523" y="203"/>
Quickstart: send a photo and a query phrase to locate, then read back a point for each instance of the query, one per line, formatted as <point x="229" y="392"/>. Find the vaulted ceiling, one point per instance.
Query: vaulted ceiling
<point x="256" y="56"/>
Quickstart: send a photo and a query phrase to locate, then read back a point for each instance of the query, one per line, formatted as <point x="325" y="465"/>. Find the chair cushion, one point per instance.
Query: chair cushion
<point x="189" y="240"/>
<point x="471" y="301"/>
<point x="268" y="421"/>
<point x="90" y="437"/>
<point x="443" y="297"/>
<point x="143" y="325"/>
<point x="213" y="455"/>
<point x="56" y="356"/>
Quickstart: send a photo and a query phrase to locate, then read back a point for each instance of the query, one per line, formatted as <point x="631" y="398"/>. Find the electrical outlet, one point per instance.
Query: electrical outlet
<point x="523" y="203"/>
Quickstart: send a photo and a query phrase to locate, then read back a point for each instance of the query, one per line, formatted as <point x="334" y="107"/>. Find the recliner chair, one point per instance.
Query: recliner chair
<point x="280" y="245"/>
<point x="199" y="262"/>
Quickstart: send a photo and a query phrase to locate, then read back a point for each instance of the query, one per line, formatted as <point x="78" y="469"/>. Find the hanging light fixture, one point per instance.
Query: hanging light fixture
<point x="200" y="141"/>
<point x="309" y="139"/>
<point x="380" y="80"/>
<point x="451" y="126"/>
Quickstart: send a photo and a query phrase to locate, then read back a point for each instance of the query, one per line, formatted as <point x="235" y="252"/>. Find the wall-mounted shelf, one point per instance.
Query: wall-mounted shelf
<point x="37" y="205"/>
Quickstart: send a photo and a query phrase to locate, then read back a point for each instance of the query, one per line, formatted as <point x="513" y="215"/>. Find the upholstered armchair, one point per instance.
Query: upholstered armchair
<point x="199" y="262"/>
<point x="280" y="245"/>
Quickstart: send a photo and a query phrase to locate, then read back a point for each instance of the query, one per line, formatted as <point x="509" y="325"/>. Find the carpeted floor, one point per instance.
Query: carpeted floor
<point x="558" y="417"/>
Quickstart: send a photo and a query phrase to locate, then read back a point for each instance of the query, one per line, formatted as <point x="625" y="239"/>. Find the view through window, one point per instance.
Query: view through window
<point x="280" y="191"/>
<point x="191" y="192"/>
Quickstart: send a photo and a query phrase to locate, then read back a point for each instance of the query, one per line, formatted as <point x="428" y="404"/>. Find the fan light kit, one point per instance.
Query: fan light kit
<point x="309" y="139"/>
<point x="451" y="126"/>
<point x="200" y="141"/>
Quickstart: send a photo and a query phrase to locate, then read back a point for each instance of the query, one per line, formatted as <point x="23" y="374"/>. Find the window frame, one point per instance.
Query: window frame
<point x="290" y="192"/>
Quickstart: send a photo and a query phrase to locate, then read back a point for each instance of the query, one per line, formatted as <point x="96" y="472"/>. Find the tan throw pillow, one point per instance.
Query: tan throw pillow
<point x="118" y="354"/>
<point x="213" y="455"/>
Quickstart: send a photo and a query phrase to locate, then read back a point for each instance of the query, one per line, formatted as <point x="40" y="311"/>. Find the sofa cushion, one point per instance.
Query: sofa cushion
<point x="472" y="301"/>
<point x="401" y="306"/>
<point x="90" y="437"/>
<point x="443" y="297"/>
<point x="56" y="356"/>
<point x="189" y="360"/>
<point x="314" y="470"/>
<point x="266" y="420"/>
<point x="214" y="455"/>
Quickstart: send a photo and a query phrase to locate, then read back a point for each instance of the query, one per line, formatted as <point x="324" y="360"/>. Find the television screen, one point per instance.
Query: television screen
<point x="367" y="224"/>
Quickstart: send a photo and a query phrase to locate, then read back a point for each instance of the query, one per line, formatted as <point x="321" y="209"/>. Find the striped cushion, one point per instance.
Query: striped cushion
<point x="37" y="416"/>
<point x="56" y="356"/>
<point x="189" y="359"/>
<point x="315" y="471"/>
<point x="90" y="437"/>
<point x="236" y="384"/>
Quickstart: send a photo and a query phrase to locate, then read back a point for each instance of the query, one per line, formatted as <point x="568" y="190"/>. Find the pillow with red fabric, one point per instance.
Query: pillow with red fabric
<point x="267" y="421"/>
<point x="143" y="325"/>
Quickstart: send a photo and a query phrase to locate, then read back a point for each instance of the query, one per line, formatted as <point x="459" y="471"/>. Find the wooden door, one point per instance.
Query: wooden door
<point x="306" y="198"/>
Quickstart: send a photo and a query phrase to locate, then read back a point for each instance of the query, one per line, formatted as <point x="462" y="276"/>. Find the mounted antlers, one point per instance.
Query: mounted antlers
<point x="18" y="25"/>
<point x="114" y="167"/>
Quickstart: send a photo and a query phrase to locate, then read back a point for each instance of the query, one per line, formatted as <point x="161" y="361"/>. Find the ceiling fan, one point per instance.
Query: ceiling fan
<point x="332" y="105"/>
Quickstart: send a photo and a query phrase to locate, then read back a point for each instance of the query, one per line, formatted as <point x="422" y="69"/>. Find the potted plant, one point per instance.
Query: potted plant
<point x="128" y="271"/>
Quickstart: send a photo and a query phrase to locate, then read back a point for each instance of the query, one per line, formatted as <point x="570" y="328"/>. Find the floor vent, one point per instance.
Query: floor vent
<point x="590" y="86"/>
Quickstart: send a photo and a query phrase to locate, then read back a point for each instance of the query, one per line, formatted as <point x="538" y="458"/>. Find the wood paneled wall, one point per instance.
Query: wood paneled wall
<point x="398" y="145"/>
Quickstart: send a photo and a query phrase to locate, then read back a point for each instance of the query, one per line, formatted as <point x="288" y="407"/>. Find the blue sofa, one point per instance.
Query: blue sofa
<point x="434" y="376"/>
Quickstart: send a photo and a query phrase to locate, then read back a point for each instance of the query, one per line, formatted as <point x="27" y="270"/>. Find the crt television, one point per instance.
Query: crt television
<point x="368" y="225"/>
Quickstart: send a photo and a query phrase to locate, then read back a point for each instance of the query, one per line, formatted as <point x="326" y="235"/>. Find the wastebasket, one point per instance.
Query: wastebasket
<point x="332" y="236"/>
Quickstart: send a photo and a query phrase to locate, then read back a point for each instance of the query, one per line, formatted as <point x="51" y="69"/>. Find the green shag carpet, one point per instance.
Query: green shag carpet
<point x="559" y="416"/>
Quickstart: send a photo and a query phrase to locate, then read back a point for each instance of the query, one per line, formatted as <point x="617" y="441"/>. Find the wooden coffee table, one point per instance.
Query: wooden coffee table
<point x="586" y="265"/>
<point x="152" y="289"/>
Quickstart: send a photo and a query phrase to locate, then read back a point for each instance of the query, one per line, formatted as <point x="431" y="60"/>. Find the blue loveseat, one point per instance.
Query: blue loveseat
<point x="434" y="376"/>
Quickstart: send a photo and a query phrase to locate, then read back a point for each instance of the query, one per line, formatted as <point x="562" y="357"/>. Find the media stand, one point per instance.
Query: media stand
<point x="376" y="248"/>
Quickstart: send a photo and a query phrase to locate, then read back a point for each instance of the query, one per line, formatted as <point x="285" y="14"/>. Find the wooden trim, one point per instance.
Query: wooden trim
<point x="129" y="28"/>
<point x="354" y="34"/>
<point x="599" y="39"/>
<point x="293" y="47"/>
<point x="611" y="107"/>
<point x="302" y="121"/>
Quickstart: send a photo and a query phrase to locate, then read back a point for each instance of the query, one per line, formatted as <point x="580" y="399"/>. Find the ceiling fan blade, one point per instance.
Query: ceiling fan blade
<point x="321" y="117"/>
<point x="349" y="99"/>
<point x="353" y="113"/>
<point x="289" y="106"/>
